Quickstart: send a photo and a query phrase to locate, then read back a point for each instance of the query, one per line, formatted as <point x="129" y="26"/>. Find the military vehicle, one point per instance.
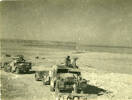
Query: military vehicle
<point x="46" y="79"/>
<point x="67" y="82"/>
<point x="18" y="65"/>
<point x="39" y="75"/>
<point x="42" y="76"/>
<point x="63" y="78"/>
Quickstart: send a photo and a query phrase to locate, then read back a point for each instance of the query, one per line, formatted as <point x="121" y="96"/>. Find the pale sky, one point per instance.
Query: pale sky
<point x="96" y="22"/>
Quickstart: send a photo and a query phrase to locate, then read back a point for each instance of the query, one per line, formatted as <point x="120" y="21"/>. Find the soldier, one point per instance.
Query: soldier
<point x="74" y="65"/>
<point x="68" y="61"/>
<point x="21" y="59"/>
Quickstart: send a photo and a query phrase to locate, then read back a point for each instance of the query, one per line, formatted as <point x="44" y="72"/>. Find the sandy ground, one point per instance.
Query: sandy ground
<point x="108" y="71"/>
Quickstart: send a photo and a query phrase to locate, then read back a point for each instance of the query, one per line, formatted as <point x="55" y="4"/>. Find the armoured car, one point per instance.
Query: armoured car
<point x="18" y="65"/>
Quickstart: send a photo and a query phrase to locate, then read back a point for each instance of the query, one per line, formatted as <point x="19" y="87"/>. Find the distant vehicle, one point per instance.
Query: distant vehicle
<point x="17" y="65"/>
<point x="41" y="75"/>
<point x="7" y="55"/>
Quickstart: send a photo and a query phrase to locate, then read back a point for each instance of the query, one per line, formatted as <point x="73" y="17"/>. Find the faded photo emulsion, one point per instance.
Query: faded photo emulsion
<point x="66" y="49"/>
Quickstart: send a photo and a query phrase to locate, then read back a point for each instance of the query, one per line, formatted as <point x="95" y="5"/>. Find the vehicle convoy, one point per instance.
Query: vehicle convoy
<point x="65" y="81"/>
<point x="18" y="65"/>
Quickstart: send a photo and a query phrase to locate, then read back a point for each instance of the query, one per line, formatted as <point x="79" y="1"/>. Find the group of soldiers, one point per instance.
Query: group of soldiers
<point x="72" y="64"/>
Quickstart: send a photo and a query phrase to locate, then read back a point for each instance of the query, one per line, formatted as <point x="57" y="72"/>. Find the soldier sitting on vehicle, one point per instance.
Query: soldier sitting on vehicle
<point x="20" y="58"/>
<point x="69" y="64"/>
<point x="74" y="65"/>
<point x="68" y="61"/>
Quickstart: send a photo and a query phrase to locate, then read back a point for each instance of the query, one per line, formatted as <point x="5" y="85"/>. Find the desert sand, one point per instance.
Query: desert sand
<point x="108" y="71"/>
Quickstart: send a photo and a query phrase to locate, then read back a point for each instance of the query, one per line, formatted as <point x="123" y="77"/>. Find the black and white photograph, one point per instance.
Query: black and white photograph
<point x="65" y="49"/>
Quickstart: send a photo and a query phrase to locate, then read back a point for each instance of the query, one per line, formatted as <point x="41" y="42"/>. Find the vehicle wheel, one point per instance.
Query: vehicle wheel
<point x="5" y="68"/>
<point x="52" y="89"/>
<point x="17" y="71"/>
<point x="11" y="70"/>
<point x="44" y="83"/>
<point x="27" y="71"/>
<point x="48" y="83"/>
<point x="36" y="77"/>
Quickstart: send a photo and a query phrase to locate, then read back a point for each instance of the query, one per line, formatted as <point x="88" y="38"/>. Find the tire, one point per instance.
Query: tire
<point x="52" y="89"/>
<point x="17" y="71"/>
<point x="27" y="71"/>
<point x="5" y="68"/>
<point x="11" y="70"/>
<point x="36" y="77"/>
<point x="44" y="83"/>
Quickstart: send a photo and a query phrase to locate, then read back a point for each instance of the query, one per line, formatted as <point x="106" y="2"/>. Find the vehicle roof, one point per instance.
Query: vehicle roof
<point x="64" y="75"/>
<point x="74" y="70"/>
<point x="15" y="57"/>
<point x="65" y="67"/>
<point x="61" y="67"/>
<point x="42" y="68"/>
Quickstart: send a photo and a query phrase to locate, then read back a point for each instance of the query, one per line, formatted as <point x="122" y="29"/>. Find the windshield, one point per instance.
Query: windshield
<point x="62" y="70"/>
<point x="68" y="75"/>
<point x="74" y="72"/>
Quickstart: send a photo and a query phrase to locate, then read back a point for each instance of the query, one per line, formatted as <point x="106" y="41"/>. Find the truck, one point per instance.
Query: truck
<point x="65" y="78"/>
<point x="67" y="83"/>
<point x="42" y="74"/>
<point x="18" y="65"/>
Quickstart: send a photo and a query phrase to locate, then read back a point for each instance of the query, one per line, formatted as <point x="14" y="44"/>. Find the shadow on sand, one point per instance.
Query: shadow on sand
<point x="94" y="90"/>
<point x="30" y="72"/>
<point x="91" y="90"/>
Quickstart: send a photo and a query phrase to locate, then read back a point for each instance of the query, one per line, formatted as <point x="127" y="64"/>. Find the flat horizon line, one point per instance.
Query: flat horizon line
<point x="83" y="44"/>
